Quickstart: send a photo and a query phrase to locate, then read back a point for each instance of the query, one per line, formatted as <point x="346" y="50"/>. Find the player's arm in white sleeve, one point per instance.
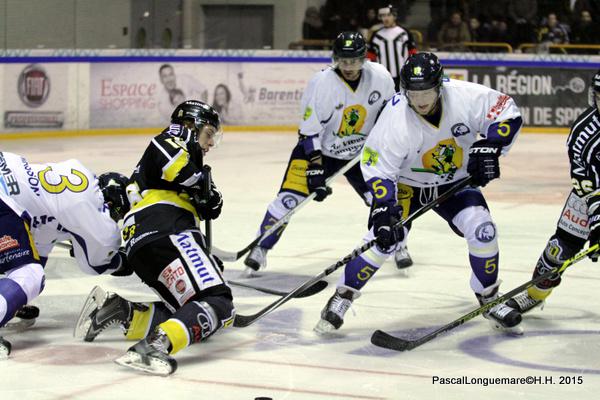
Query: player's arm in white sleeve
<point x="383" y="155"/>
<point x="95" y="237"/>
<point x="314" y="113"/>
<point x="501" y="119"/>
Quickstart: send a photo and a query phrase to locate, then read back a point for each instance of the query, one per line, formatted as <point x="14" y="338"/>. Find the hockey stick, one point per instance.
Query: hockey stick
<point x="382" y="339"/>
<point x="234" y="256"/>
<point x="242" y="321"/>
<point x="319" y="286"/>
<point x="314" y="289"/>
<point x="206" y="189"/>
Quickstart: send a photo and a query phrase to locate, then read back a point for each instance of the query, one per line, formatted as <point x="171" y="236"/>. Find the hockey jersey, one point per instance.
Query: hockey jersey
<point x="160" y="188"/>
<point x="338" y="118"/>
<point x="404" y="147"/>
<point x="62" y="201"/>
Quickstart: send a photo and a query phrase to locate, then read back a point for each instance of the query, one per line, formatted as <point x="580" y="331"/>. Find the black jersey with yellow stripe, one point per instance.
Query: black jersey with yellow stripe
<point x="159" y="189"/>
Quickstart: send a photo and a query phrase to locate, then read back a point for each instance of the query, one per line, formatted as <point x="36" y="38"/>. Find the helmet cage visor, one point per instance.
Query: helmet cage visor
<point x="423" y="101"/>
<point x="348" y="63"/>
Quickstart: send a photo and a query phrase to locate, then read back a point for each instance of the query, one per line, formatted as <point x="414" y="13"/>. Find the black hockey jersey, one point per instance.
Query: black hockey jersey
<point x="160" y="187"/>
<point x="583" y="146"/>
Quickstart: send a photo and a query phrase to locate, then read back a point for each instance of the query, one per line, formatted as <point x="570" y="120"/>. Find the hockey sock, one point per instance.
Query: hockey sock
<point x="272" y="239"/>
<point x="362" y="268"/>
<point x="192" y="323"/>
<point x="144" y="321"/>
<point x="12" y="297"/>
<point x="485" y="269"/>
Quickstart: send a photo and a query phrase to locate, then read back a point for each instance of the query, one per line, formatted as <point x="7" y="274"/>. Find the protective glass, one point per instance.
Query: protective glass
<point x="423" y="101"/>
<point x="349" y="64"/>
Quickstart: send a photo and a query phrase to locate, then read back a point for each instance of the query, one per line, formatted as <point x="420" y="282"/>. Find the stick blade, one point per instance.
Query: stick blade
<point x="387" y="341"/>
<point x="312" y="290"/>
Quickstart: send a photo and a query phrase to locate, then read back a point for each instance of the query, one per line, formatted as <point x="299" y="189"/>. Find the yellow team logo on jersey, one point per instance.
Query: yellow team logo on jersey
<point x="353" y="120"/>
<point x="369" y="157"/>
<point x="444" y="159"/>
<point x="307" y="113"/>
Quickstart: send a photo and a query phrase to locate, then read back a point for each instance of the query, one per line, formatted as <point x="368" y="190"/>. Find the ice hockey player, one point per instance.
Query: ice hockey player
<point x="166" y="249"/>
<point x="579" y="220"/>
<point x="429" y="136"/>
<point x="340" y="106"/>
<point x="41" y="204"/>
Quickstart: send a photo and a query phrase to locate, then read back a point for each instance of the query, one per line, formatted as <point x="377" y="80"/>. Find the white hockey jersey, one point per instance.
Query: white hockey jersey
<point x="404" y="147"/>
<point x="63" y="202"/>
<point x="341" y="117"/>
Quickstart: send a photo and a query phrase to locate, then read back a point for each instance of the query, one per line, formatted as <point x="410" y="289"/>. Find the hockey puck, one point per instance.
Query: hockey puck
<point x="263" y="398"/>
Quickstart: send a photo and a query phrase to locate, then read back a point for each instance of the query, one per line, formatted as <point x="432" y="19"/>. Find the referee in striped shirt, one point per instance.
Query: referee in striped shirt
<point x="392" y="44"/>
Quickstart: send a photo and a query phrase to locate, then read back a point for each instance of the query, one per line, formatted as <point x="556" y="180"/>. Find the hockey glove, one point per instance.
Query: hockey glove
<point x="315" y="177"/>
<point x="387" y="230"/>
<point x="594" y="237"/>
<point x="125" y="269"/>
<point x="209" y="208"/>
<point x="483" y="163"/>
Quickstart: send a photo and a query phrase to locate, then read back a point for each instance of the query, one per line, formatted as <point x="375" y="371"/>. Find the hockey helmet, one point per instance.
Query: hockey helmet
<point x="389" y="9"/>
<point x="198" y="112"/>
<point x="113" y="186"/>
<point x="421" y="71"/>
<point x="349" y="51"/>
<point x="205" y="119"/>
<point x="421" y="78"/>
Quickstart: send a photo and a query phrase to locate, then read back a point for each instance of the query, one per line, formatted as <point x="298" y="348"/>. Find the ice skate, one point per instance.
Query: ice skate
<point x="150" y="355"/>
<point x="403" y="259"/>
<point x="332" y="316"/>
<point x="501" y="317"/>
<point x="256" y="260"/>
<point x="100" y="311"/>
<point x="524" y="303"/>
<point x="24" y="318"/>
<point x="4" y="348"/>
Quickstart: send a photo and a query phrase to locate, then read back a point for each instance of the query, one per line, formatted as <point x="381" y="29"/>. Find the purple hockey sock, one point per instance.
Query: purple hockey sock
<point x="15" y="298"/>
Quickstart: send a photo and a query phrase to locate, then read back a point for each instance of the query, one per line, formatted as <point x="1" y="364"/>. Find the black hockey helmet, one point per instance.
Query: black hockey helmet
<point x="389" y="9"/>
<point x="421" y="71"/>
<point x="198" y="112"/>
<point x="349" y="45"/>
<point x="113" y="186"/>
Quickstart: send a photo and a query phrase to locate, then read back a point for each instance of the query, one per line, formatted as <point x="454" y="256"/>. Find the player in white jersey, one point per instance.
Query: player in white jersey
<point x="392" y="44"/>
<point x="428" y="137"/>
<point x="340" y="104"/>
<point x="41" y="204"/>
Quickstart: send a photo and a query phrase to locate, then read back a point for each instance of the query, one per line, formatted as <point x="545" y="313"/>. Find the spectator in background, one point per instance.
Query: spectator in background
<point x="370" y="23"/>
<point x="553" y="31"/>
<point x="454" y="31"/>
<point x="479" y="32"/>
<point x="593" y="6"/>
<point x="524" y="16"/>
<point x="312" y="26"/>
<point x="499" y="31"/>
<point x="585" y="32"/>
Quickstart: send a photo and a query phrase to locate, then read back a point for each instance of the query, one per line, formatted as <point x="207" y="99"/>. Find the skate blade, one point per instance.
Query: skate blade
<point x="95" y="299"/>
<point x="134" y="361"/>
<point x="514" y="331"/>
<point x="249" y="273"/>
<point x="326" y="329"/>
<point x="18" y="324"/>
<point x="4" y="353"/>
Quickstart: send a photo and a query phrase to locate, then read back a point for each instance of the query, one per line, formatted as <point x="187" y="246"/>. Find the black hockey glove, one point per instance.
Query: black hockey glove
<point x="385" y="220"/>
<point x="594" y="237"/>
<point x="483" y="163"/>
<point x="125" y="269"/>
<point x="315" y="177"/>
<point x="209" y="208"/>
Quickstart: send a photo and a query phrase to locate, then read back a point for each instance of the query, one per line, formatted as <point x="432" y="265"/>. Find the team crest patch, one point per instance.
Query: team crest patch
<point x="459" y="129"/>
<point x="485" y="232"/>
<point x="444" y="159"/>
<point x="369" y="157"/>
<point x="353" y="120"/>
<point x="373" y="97"/>
<point x="7" y="243"/>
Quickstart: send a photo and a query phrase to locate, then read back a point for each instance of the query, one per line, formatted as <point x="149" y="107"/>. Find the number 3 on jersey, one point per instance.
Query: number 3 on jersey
<point x="64" y="183"/>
